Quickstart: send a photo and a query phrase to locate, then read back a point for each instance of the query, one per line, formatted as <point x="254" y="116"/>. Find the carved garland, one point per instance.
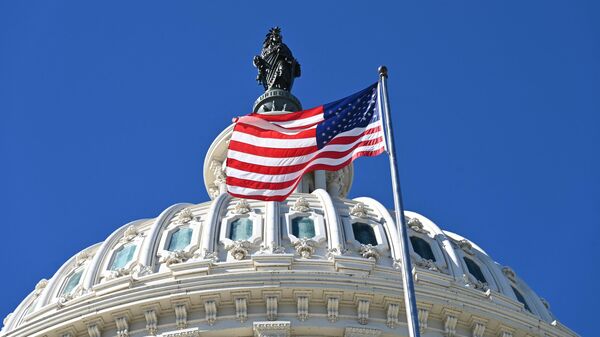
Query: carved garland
<point x="305" y="247"/>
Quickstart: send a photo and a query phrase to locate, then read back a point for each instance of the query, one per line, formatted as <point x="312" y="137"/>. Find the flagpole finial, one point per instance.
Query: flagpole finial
<point x="383" y="71"/>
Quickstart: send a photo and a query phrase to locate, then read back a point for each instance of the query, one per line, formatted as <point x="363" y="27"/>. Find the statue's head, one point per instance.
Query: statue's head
<point x="273" y="37"/>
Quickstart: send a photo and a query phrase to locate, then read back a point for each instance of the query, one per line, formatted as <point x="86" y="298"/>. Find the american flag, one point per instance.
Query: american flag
<point x="268" y="154"/>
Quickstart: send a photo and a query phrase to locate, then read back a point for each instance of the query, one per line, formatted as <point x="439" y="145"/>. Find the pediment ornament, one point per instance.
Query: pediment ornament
<point x="466" y="246"/>
<point x="82" y="257"/>
<point x="416" y="225"/>
<point x="301" y="205"/>
<point x="130" y="233"/>
<point x="242" y="207"/>
<point x="359" y="210"/>
<point x="185" y="216"/>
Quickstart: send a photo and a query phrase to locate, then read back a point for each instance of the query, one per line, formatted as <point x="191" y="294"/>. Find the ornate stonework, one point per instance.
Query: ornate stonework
<point x="130" y="233"/>
<point x="466" y="246"/>
<point x="242" y="207"/>
<point x="369" y="252"/>
<point x="361" y="332"/>
<point x="179" y="256"/>
<point x="416" y="225"/>
<point x="272" y="329"/>
<point x="359" y="210"/>
<point x="239" y="249"/>
<point x="184" y="216"/>
<point x="301" y="205"/>
<point x="305" y="247"/>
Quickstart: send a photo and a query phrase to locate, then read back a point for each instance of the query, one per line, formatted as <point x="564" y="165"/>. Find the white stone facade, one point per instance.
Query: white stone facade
<point x="275" y="284"/>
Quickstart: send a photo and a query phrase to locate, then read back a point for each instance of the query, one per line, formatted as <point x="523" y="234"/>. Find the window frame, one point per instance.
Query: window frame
<point x="354" y="225"/>
<point x="378" y="229"/>
<point x="257" y="228"/>
<point x="476" y="256"/>
<point x="196" y="227"/>
<point x="67" y="278"/>
<point x="440" y="258"/>
<point x="489" y="277"/>
<point x="318" y="221"/>
<point x="412" y="246"/>
<point x="195" y="224"/>
<point x="129" y="263"/>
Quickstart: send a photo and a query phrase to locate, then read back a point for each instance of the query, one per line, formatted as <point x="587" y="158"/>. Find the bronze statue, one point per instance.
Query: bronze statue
<point x="276" y="65"/>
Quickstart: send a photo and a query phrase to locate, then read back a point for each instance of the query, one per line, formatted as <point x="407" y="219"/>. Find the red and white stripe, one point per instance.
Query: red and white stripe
<point x="268" y="154"/>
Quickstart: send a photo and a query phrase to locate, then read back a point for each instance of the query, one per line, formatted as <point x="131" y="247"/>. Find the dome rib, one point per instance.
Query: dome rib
<point x="332" y="221"/>
<point x="209" y="229"/>
<point x="150" y="247"/>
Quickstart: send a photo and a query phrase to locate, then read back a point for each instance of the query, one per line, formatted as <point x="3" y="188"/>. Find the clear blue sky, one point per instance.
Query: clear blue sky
<point x="107" y="110"/>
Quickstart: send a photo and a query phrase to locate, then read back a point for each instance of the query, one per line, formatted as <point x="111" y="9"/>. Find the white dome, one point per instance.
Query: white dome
<point x="231" y="267"/>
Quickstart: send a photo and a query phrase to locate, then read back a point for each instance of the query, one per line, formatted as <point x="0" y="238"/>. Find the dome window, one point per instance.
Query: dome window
<point x="122" y="256"/>
<point x="72" y="282"/>
<point x="303" y="227"/>
<point x="364" y="234"/>
<point x="422" y="248"/>
<point x="521" y="299"/>
<point x="180" y="239"/>
<point x="474" y="270"/>
<point x="241" y="229"/>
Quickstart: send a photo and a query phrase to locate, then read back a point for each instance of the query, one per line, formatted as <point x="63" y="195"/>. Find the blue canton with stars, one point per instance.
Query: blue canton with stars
<point x="355" y="111"/>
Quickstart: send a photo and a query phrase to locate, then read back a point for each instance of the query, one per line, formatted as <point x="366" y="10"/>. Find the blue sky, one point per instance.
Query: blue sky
<point x="107" y="110"/>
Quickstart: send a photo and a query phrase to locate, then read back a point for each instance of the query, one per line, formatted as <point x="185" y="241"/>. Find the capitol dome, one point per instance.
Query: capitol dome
<point x="315" y="265"/>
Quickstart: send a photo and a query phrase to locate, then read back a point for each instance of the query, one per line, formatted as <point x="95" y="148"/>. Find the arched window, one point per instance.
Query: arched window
<point x="122" y="256"/>
<point x="474" y="269"/>
<point x="364" y="233"/>
<point x="422" y="248"/>
<point x="241" y="229"/>
<point x="180" y="239"/>
<point x="303" y="227"/>
<point x="72" y="282"/>
<point x="521" y="299"/>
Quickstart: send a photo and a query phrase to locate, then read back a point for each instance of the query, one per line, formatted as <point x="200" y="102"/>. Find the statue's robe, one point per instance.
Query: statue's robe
<point x="280" y="67"/>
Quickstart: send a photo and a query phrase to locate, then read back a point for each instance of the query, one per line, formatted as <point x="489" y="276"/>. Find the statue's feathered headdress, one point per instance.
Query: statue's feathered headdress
<point x="275" y="31"/>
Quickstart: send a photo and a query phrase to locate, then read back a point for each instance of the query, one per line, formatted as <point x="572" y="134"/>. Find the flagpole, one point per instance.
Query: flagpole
<point x="410" y="301"/>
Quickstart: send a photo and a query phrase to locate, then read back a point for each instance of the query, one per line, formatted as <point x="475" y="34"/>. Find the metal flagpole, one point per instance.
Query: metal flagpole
<point x="410" y="301"/>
